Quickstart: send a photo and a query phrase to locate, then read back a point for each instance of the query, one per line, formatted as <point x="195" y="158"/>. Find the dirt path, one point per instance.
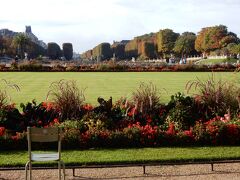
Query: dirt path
<point x="183" y="172"/>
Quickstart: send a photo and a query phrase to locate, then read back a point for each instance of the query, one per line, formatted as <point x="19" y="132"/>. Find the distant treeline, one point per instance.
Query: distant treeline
<point x="215" y="40"/>
<point x="23" y="47"/>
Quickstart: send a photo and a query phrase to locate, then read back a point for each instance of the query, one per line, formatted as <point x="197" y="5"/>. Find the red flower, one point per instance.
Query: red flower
<point x="16" y="137"/>
<point x="189" y="133"/>
<point x="149" y="120"/>
<point x="132" y="112"/>
<point x="171" y="129"/>
<point x="56" y="121"/>
<point x="2" y="131"/>
<point x="88" y="107"/>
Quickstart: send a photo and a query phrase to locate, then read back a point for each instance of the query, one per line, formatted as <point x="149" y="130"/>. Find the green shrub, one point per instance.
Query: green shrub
<point x="67" y="50"/>
<point x="30" y="67"/>
<point x="39" y="115"/>
<point x="183" y="111"/>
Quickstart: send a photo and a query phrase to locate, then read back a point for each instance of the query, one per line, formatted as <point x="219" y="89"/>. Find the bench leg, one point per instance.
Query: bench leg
<point x="144" y="169"/>
<point x="73" y="171"/>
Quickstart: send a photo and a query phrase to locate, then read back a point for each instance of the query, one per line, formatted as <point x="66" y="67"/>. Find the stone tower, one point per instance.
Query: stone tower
<point x="28" y="29"/>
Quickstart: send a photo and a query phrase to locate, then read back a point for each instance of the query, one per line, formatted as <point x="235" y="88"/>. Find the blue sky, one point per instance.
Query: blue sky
<point x="86" y="23"/>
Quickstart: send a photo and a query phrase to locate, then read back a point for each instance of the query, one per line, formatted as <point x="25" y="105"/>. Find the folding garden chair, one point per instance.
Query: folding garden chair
<point x="44" y="135"/>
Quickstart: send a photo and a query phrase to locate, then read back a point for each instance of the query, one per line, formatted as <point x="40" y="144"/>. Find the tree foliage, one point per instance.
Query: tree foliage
<point x="119" y="50"/>
<point x="148" y="50"/>
<point x="67" y="50"/>
<point x="215" y="37"/>
<point x="185" y="43"/>
<point x="131" y="48"/>
<point x="102" y="51"/>
<point x="166" y="39"/>
<point x="54" y="51"/>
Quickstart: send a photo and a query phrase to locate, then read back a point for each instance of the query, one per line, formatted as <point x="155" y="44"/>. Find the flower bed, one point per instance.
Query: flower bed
<point x="209" y="118"/>
<point x="103" y="130"/>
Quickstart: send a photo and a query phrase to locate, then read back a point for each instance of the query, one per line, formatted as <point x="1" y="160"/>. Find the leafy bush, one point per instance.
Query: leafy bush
<point x="68" y="99"/>
<point x="11" y="119"/>
<point x="183" y="111"/>
<point x="39" y="115"/>
<point x="103" y="116"/>
<point x="30" y="67"/>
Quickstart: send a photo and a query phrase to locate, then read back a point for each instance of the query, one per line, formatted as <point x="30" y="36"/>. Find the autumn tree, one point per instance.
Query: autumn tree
<point x="54" y="51"/>
<point x="166" y="39"/>
<point x="102" y="51"/>
<point x="185" y="44"/>
<point x="233" y="48"/>
<point x="212" y="38"/>
<point x="148" y="50"/>
<point x="119" y="50"/>
<point x="131" y="48"/>
<point x="67" y="50"/>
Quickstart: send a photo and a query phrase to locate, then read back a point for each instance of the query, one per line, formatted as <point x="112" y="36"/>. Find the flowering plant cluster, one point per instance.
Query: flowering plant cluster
<point x="35" y="115"/>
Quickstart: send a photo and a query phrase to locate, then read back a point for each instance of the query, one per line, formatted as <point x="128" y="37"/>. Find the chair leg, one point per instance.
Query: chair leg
<point x="30" y="170"/>
<point x="59" y="170"/>
<point x="26" y="170"/>
<point x="63" y="166"/>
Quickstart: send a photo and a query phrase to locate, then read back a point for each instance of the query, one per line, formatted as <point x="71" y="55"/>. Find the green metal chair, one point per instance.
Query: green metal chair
<point x="52" y="134"/>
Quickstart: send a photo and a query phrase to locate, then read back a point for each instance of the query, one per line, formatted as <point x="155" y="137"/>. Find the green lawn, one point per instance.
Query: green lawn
<point x="35" y="85"/>
<point x="120" y="156"/>
<point x="217" y="61"/>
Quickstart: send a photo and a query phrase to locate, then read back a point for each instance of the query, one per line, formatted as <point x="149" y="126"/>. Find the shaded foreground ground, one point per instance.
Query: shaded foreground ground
<point x="221" y="171"/>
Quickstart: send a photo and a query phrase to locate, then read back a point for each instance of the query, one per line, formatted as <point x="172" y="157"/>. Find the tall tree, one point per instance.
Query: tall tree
<point x="20" y="41"/>
<point x="54" y="51"/>
<point x="166" y="39"/>
<point x="215" y="37"/>
<point x="67" y="51"/>
<point x="185" y="44"/>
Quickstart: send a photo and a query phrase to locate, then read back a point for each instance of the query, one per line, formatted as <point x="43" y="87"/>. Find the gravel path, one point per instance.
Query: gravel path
<point x="182" y="172"/>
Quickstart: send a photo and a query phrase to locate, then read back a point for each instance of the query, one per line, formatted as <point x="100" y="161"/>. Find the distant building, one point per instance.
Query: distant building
<point x="7" y="33"/>
<point x="28" y="32"/>
<point x="124" y="42"/>
<point x="34" y="38"/>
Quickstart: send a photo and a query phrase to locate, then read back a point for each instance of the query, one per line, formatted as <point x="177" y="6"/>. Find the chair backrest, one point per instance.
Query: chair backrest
<point x="51" y="134"/>
<point x="43" y="134"/>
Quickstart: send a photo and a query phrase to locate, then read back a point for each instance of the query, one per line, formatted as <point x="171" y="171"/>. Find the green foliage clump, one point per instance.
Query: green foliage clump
<point x="102" y="51"/>
<point x="166" y="39"/>
<point x="183" y="111"/>
<point x="67" y="50"/>
<point x="54" y="51"/>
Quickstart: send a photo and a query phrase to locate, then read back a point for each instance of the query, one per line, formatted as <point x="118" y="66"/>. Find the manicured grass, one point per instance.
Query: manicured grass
<point x="217" y="61"/>
<point x="35" y="85"/>
<point x="120" y="156"/>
